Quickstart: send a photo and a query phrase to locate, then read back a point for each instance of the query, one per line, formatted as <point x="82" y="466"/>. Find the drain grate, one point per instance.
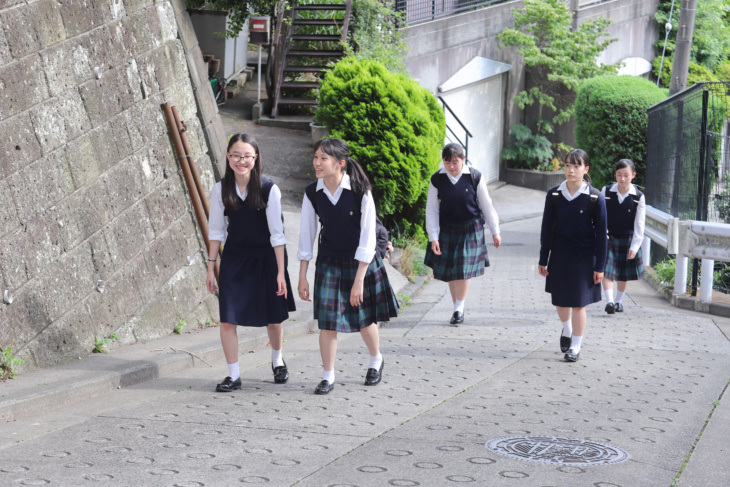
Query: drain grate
<point x="557" y="450"/>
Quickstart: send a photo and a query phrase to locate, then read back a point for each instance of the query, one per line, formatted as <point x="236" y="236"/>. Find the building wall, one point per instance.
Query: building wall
<point x="438" y="49"/>
<point x="91" y="189"/>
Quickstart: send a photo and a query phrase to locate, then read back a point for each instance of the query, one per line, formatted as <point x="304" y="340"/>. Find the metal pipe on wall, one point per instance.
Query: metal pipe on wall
<point x="182" y="158"/>
<point x="181" y="127"/>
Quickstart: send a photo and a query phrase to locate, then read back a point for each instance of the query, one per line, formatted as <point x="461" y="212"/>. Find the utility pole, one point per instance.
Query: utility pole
<point x="680" y="65"/>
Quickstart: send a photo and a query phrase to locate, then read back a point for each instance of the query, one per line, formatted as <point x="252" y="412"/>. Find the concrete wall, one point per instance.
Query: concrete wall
<point x="438" y="49"/>
<point x="89" y="182"/>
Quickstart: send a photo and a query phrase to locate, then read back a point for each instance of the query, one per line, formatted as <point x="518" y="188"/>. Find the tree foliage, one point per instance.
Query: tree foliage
<point x="696" y="73"/>
<point x="375" y="35"/>
<point x="528" y="150"/>
<point x="395" y="129"/>
<point x="558" y="56"/>
<point x="612" y="123"/>
<point x="711" y="36"/>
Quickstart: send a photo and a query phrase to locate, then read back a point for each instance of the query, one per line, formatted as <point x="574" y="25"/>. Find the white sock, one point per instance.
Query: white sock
<point x="233" y="371"/>
<point x="276" y="359"/>
<point x="459" y="305"/>
<point x="620" y="296"/>
<point x="575" y="345"/>
<point x="329" y="376"/>
<point x="567" y="328"/>
<point x="375" y="361"/>
<point x="609" y="295"/>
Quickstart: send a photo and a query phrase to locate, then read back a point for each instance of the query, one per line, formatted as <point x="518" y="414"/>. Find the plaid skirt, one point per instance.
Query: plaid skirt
<point x="618" y="265"/>
<point x="333" y="279"/>
<point x="463" y="252"/>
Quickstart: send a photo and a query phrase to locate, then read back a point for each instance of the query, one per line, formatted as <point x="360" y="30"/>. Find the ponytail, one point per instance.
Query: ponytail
<point x="340" y="151"/>
<point x="358" y="179"/>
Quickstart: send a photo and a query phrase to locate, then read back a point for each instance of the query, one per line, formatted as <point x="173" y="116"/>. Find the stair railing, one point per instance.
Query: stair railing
<point x="467" y="134"/>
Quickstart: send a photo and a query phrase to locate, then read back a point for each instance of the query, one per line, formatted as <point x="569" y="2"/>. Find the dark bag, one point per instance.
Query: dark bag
<point x="381" y="233"/>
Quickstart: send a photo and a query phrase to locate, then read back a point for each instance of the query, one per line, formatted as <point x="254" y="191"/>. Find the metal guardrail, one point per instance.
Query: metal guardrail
<point x="661" y="228"/>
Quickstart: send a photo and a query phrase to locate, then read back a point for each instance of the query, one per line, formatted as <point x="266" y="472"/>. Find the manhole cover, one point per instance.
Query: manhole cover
<point x="557" y="450"/>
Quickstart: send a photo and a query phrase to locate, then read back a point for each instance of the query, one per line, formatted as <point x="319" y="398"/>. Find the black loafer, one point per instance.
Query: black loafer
<point x="565" y="343"/>
<point x="610" y="308"/>
<point x="572" y="356"/>
<point x="281" y="373"/>
<point x="324" y="387"/>
<point x="228" y="385"/>
<point x="619" y="308"/>
<point x="457" y="318"/>
<point x="373" y="376"/>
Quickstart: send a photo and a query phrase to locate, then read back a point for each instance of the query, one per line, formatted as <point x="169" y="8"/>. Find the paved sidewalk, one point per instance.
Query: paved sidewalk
<point x="651" y="382"/>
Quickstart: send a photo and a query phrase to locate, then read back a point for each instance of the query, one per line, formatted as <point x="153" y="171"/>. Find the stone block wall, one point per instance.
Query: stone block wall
<point x="90" y="188"/>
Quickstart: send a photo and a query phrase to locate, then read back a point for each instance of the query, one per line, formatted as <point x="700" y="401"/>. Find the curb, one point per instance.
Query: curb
<point x="683" y="301"/>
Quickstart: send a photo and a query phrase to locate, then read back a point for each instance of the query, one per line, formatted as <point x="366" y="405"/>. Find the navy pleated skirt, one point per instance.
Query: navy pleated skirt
<point x="247" y="288"/>
<point x="570" y="280"/>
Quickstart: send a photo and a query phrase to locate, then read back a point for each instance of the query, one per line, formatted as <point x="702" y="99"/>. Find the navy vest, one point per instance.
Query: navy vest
<point x="457" y="202"/>
<point x="248" y="228"/>
<point x="340" y="233"/>
<point x="621" y="216"/>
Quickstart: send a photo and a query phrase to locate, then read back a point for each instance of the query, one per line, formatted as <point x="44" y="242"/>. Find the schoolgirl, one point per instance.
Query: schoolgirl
<point x="573" y="249"/>
<point x="626" y="208"/>
<point x="351" y="288"/>
<point x="457" y="199"/>
<point x="254" y="287"/>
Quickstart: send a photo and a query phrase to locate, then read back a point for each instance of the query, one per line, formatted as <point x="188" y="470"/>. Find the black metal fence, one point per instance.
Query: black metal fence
<point x="418" y="11"/>
<point x="688" y="154"/>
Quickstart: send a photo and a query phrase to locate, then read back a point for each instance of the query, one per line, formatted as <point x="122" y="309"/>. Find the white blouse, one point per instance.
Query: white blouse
<point x="485" y="204"/>
<point x="308" y="232"/>
<point x="218" y="222"/>
<point x="639" y="219"/>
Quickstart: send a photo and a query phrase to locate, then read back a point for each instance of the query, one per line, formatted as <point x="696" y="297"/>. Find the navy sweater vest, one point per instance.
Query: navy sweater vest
<point x="621" y="216"/>
<point x="457" y="202"/>
<point x="340" y="233"/>
<point x="249" y="228"/>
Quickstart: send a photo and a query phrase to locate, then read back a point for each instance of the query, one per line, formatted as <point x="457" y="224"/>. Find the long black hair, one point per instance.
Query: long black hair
<point x="579" y="157"/>
<point x="254" y="198"/>
<point x="340" y="151"/>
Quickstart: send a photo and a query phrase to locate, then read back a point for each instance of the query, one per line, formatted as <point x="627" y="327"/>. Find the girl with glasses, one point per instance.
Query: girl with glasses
<point x="253" y="286"/>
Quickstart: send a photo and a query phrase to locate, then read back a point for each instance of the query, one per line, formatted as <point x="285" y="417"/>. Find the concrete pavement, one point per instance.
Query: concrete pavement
<point x="651" y="382"/>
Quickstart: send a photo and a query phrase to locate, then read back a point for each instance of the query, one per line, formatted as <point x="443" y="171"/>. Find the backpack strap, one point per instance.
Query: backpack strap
<point x="592" y="204"/>
<point x="476" y="178"/>
<point x="554" y="198"/>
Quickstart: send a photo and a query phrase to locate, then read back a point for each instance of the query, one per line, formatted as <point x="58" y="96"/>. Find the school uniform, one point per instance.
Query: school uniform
<point x="578" y="247"/>
<point x="625" y="232"/>
<point x="454" y="218"/>
<point x="247" y="280"/>
<point x="347" y="237"/>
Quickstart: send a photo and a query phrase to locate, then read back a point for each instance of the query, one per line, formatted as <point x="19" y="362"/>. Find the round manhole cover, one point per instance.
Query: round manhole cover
<point x="557" y="450"/>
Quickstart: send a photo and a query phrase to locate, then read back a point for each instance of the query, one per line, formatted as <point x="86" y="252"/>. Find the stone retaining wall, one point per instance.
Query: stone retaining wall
<point x="90" y="187"/>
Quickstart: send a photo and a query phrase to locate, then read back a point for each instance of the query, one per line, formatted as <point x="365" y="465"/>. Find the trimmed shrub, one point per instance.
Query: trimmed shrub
<point x="395" y="129"/>
<point x="612" y="123"/>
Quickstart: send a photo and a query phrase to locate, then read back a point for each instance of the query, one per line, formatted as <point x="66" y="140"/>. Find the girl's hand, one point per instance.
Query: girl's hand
<point x="281" y="285"/>
<point x="597" y="277"/>
<point x="632" y="254"/>
<point x="435" y="247"/>
<point x="210" y="282"/>
<point x="303" y="289"/>
<point x="542" y="270"/>
<point x="497" y="241"/>
<point x="356" y="293"/>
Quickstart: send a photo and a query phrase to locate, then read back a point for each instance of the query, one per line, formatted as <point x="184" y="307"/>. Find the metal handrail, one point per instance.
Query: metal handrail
<point x="466" y="130"/>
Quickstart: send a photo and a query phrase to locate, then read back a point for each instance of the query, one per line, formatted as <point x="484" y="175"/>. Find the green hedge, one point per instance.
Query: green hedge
<point x="611" y="123"/>
<point x="395" y="129"/>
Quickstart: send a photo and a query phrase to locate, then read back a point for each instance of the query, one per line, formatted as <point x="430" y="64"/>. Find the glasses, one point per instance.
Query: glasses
<point x="236" y="158"/>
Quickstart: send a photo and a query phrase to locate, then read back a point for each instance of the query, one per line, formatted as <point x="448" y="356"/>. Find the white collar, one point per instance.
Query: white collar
<point x="583" y="187"/>
<point x="344" y="184"/>
<point x="464" y="169"/>
<point x="632" y="188"/>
